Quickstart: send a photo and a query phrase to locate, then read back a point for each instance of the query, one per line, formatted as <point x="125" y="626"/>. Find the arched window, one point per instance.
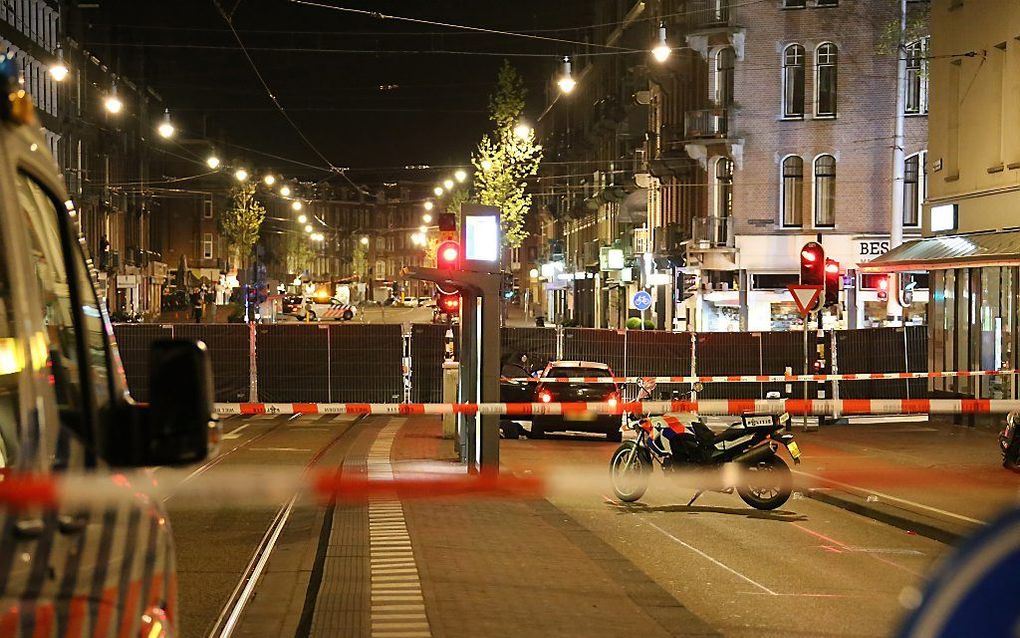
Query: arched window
<point x="793" y="81"/>
<point x="793" y="192"/>
<point x="825" y="191"/>
<point x="826" y="59"/>
<point x="724" y="64"/>
<point x="916" y="94"/>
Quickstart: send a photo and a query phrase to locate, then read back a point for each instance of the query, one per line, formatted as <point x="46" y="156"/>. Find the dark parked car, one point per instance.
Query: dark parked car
<point x="576" y="391"/>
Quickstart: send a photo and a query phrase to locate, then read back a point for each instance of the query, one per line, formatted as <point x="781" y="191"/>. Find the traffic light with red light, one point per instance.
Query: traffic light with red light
<point x="831" y="282"/>
<point x="448" y="255"/>
<point x="883" y="288"/>
<point x="812" y="264"/>
<point x="448" y="302"/>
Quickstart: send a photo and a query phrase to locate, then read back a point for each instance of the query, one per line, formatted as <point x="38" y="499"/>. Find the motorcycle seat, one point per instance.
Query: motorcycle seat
<point x="729" y="434"/>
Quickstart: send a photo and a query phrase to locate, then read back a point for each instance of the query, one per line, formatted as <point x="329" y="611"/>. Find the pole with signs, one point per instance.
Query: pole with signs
<point x="807" y="298"/>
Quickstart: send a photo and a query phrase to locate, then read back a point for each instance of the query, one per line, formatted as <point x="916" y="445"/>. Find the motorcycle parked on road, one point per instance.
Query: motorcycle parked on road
<point x="677" y="443"/>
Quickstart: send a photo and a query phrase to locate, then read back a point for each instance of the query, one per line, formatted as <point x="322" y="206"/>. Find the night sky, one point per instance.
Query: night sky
<point x="373" y="112"/>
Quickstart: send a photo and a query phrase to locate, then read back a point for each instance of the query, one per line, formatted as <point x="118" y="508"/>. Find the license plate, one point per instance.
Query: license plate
<point x="794" y="449"/>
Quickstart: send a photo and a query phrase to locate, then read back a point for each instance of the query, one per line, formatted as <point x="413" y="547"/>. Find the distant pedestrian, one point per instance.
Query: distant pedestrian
<point x="196" y="305"/>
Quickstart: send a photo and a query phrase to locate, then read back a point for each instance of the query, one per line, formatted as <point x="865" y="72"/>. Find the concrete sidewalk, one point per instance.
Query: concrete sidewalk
<point x="524" y="568"/>
<point x="938" y="480"/>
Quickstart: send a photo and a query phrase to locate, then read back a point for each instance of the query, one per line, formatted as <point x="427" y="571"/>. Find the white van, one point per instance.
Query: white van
<point x="64" y="409"/>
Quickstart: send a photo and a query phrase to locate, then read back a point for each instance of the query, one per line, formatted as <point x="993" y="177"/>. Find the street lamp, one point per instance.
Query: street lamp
<point x="166" y="128"/>
<point x="364" y="241"/>
<point x="285" y="191"/>
<point x="423" y="229"/>
<point x="308" y="228"/>
<point x="522" y="131"/>
<point x="241" y="175"/>
<point x="661" y="50"/>
<point x="269" y="179"/>
<point x="438" y="190"/>
<point x="296" y="205"/>
<point x="460" y="175"/>
<point x="448" y="184"/>
<point x="429" y="205"/>
<point x="426" y="218"/>
<point x="112" y="103"/>
<point x="566" y="80"/>
<point x="212" y="162"/>
<point x="302" y="219"/>
<point x="58" y="70"/>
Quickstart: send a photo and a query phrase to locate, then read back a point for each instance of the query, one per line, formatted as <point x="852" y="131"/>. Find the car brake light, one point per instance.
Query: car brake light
<point x="613" y="399"/>
<point x="545" y="396"/>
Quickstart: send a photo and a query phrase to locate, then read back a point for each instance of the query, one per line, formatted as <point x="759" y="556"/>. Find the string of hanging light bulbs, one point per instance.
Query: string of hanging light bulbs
<point x="660" y="51"/>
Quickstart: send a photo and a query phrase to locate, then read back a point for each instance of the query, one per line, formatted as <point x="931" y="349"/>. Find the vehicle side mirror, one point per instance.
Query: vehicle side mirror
<point x="178" y="426"/>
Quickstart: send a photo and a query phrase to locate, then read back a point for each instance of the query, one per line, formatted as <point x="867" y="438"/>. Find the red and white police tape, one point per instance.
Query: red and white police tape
<point x="820" y="407"/>
<point x="767" y="378"/>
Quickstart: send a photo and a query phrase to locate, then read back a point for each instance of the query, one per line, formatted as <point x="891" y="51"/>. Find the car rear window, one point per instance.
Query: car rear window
<point x="579" y="372"/>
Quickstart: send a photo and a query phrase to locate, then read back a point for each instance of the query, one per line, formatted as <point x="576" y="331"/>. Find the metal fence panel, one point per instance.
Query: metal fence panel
<point x="729" y="353"/>
<point x="428" y="345"/>
<point x="595" y="344"/>
<point x="293" y="362"/>
<point x="871" y="350"/>
<point x="134" y="342"/>
<point x="655" y="353"/>
<point x="229" y="349"/>
<point x="365" y="363"/>
<point x="782" y="350"/>
<point x="538" y="343"/>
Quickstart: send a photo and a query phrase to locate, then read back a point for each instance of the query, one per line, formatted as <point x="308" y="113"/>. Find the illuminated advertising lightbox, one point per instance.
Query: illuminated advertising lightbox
<point x="481" y="237"/>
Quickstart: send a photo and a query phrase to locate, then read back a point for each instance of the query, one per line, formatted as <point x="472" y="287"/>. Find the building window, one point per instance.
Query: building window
<point x="825" y="80"/>
<point x="207" y="209"/>
<point x="825" y="191"/>
<point x="793" y="192"/>
<point x="916" y="94"/>
<point x="207" y="246"/>
<point x="725" y="61"/>
<point x="794" y="4"/>
<point x="793" y="81"/>
<point x="826" y="3"/>
<point x="724" y="187"/>
<point x="914" y="189"/>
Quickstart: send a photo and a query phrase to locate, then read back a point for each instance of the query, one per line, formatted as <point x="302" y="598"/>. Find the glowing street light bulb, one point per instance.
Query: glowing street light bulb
<point x="269" y="179"/>
<point x="166" y="128"/>
<point x="429" y="205"/>
<point x="302" y="219"/>
<point x="426" y="218"/>
<point x="296" y="205"/>
<point x="241" y="175"/>
<point x="308" y="228"/>
<point x="460" y="175"/>
<point x="285" y="191"/>
<point x="423" y="230"/>
<point x="59" y="70"/>
<point x="438" y="190"/>
<point x="566" y="80"/>
<point x="448" y="184"/>
<point x="364" y="241"/>
<point x="112" y="103"/>
<point x="522" y="131"/>
<point x="661" y="50"/>
<point x="212" y="162"/>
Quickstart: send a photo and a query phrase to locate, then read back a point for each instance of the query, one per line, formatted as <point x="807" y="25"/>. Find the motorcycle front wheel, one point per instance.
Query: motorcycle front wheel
<point x="630" y="469"/>
<point x="768" y="485"/>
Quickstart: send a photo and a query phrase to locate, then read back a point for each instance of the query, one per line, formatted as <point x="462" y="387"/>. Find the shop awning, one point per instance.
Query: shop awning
<point x="957" y="251"/>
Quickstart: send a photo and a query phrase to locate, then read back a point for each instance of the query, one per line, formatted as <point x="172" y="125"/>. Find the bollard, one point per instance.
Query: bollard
<point x="451" y="374"/>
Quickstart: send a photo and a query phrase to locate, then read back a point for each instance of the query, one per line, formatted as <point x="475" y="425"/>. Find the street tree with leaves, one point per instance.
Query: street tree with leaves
<point x="505" y="159"/>
<point x="241" y="223"/>
<point x="297" y="253"/>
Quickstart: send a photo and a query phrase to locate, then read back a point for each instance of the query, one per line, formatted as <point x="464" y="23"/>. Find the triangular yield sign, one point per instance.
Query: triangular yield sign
<point x="805" y="297"/>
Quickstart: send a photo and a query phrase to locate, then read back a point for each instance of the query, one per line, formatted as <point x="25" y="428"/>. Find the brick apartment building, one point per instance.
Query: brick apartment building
<point x="771" y="124"/>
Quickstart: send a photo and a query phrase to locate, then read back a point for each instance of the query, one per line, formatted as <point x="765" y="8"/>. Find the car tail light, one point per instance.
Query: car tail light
<point x="545" y="396"/>
<point x="613" y="399"/>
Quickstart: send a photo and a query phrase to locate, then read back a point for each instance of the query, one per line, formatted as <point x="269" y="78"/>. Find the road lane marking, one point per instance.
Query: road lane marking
<point x="703" y="554"/>
<point x="236" y="432"/>
<point x="848" y="548"/>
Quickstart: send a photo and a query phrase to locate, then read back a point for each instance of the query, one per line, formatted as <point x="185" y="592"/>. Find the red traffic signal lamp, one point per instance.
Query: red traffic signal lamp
<point x="448" y="255"/>
<point x="448" y="302"/>
<point x="831" y="282"/>
<point x="883" y="288"/>
<point x="812" y="264"/>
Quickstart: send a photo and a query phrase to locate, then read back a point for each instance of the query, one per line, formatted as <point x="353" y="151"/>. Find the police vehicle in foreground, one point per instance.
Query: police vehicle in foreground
<point x="64" y="408"/>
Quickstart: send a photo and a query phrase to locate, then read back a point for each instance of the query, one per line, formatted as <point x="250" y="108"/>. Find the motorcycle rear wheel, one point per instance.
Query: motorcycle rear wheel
<point x="770" y="484"/>
<point x="629" y="470"/>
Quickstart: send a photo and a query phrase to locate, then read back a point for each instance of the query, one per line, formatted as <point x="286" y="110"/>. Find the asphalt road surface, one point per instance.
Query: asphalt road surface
<point x="807" y="569"/>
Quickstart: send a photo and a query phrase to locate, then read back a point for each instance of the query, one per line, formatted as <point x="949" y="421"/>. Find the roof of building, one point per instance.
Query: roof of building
<point x="952" y="251"/>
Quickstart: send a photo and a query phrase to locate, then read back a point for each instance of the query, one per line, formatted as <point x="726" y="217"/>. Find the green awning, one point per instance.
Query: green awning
<point x="953" y="251"/>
